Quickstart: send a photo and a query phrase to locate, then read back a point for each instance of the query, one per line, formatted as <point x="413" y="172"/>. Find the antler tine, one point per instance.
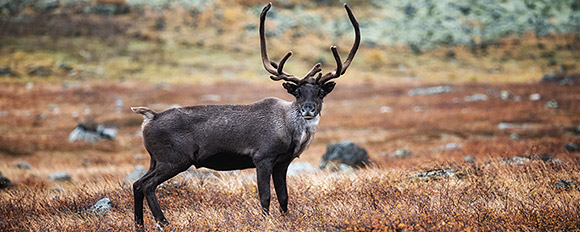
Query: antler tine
<point x="341" y="67"/>
<point x="286" y="78"/>
<point x="356" y="39"/>
<point x="283" y="61"/>
<point x="269" y="65"/>
<point x="337" y="72"/>
<point x="314" y="70"/>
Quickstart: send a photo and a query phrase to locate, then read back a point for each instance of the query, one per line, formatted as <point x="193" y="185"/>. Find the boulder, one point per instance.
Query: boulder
<point x="562" y="79"/>
<point x="102" y="206"/>
<point x="299" y="168"/>
<point x="469" y="159"/>
<point x="23" y="165"/>
<point x="59" y="176"/>
<point x="137" y="173"/>
<point x="565" y="185"/>
<point x="7" y="72"/>
<point x="4" y="182"/>
<point x="38" y="70"/>
<point x="401" y="153"/>
<point x="92" y="134"/>
<point x="345" y="152"/>
<point x="535" y="97"/>
<point x="572" y="147"/>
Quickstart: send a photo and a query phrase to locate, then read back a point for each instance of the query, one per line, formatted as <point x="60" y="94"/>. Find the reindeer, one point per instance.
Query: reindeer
<point x="266" y="135"/>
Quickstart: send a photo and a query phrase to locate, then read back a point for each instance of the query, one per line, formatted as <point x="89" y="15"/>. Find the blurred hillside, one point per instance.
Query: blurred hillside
<point x="203" y="40"/>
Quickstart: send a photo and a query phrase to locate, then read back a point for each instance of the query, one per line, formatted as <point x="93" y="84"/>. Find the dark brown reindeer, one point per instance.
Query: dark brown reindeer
<point x="266" y="135"/>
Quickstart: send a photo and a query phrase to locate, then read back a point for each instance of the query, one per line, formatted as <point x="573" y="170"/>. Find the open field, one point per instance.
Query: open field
<point x="487" y="144"/>
<point x="494" y="193"/>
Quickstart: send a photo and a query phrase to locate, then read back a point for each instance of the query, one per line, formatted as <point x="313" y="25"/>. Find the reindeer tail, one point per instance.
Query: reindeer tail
<point x="148" y="114"/>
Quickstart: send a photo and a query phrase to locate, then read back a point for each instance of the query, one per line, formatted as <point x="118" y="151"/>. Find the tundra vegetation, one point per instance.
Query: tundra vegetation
<point x="460" y="137"/>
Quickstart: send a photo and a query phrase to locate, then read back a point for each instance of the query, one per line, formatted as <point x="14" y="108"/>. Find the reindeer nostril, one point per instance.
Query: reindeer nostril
<point x="308" y="109"/>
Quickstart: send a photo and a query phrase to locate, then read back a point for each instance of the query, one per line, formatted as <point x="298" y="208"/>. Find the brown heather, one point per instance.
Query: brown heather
<point x="489" y="195"/>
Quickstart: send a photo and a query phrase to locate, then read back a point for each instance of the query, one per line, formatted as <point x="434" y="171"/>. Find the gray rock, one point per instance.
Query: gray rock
<point x="562" y="79"/>
<point x="109" y="9"/>
<point x="565" y="185"/>
<point x="514" y="136"/>
<point x="345" y="152"/>
<point x="448" y="147"/>
<point x="506" y="126"/>
<point x="4" y="182"/>
<point x="38" y="70"/>
<point x="401" y="153"/>
<point x="346" y="169"/>
<point x="102" y="206"/>
<point x="60" y="176"/>
<point x="572" y="147"/>
<point x="300" y="168"/>
<point x="535" y="97"/>
<point x="547" y="78"/>
<point x="439" y="174"/>
<point x="517" y="160"/>
<point x="46" y="6"/>
<point x="211" y="98"/>
<point x="475" y="97"/>
<point x="64" y="66"/>
<point x="92" y="134"/>
<point x="385" y="109"/>
<point x="546" y="158"/>
<point x="23" y="165"/>
<point x="137" y="173"/>
<point x="7" y="72"/>
<point x="504" y="95"/>
<point x="431" y="90"/>
<point x="469" y="159"/>
<point x="551" y="104"/>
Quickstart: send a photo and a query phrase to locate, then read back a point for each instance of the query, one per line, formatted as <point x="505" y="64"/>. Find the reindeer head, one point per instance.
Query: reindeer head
<point x="312" y="88"/>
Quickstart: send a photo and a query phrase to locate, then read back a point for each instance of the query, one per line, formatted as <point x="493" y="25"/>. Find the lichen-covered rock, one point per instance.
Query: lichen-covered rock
<point x="299" y="168"/>
<point x="102" y="206"/>
<point x="437" y="174"/>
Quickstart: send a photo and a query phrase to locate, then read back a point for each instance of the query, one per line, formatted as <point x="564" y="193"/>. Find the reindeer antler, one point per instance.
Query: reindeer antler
<point x="277" y="69"/>
<point x="278" y="72"/>
<point x="341" y="67"/>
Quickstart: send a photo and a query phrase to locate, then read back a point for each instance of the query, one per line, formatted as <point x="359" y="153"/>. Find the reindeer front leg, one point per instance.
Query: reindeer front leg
<point x="263" y="173"/>
<point x="279" y="178"/>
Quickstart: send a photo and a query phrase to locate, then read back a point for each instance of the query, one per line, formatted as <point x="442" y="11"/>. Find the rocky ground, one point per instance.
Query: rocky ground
<point x="440" y="156"/>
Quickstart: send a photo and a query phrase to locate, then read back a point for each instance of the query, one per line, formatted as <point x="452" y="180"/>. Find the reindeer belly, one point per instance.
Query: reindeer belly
<point x="225" y="161"/>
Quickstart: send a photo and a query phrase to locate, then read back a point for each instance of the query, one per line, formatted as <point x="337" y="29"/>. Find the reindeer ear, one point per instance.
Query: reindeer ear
<point x="290" y="87"/>
<point x="328" y="86"/>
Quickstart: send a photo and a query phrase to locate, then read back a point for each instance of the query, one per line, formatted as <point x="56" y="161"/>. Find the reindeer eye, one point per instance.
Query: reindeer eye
<point x="297" y="93"/>
<point x="321" y="93"/>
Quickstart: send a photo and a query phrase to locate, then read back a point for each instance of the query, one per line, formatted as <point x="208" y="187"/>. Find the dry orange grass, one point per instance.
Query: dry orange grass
<point x="488" y="195"/>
